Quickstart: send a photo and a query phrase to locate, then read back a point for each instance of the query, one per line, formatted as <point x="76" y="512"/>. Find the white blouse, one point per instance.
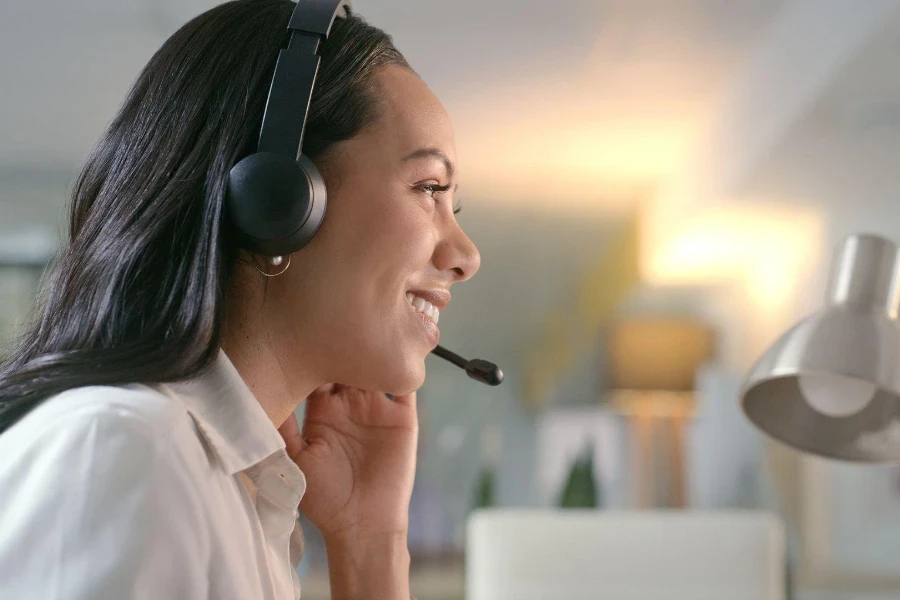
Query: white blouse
<point x="168" y="492"/>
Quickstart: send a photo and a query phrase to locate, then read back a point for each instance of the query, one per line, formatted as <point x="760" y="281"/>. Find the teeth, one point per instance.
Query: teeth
<point x="423" y="306"/>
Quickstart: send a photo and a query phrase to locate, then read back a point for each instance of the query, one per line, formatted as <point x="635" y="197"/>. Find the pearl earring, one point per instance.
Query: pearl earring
<point x="274" y="261"/>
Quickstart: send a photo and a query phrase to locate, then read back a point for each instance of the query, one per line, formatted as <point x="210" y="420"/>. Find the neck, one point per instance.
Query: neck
<point x="271" y="375"/>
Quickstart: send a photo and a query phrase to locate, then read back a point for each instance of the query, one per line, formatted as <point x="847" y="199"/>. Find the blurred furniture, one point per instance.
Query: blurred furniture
<point x="652" y="365"/>
<point x="580" y="555"/>
<point x="564" y="434"/>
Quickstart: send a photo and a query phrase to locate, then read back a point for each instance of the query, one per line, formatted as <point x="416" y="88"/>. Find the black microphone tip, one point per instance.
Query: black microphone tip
<point x="484" y="371"/>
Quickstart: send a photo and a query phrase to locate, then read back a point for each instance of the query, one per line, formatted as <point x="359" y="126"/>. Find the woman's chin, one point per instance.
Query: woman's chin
<point x="405" y="380"/>
<point x="393" y="377"/>
<point x="407" y="385"/>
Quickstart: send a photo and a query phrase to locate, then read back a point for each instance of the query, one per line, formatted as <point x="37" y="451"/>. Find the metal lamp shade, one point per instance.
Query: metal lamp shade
<point x="831" y="385"/>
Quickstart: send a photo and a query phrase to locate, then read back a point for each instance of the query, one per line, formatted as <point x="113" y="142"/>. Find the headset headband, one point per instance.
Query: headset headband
<point x="284" y="120"/>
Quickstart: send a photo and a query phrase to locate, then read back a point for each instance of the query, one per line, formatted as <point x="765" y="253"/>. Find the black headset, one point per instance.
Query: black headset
<point x="276" y="197"/>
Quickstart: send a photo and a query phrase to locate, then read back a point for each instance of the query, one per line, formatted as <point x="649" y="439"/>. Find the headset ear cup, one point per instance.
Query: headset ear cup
<point x="318" y="201"/>
<point x="274" y="204"/>
<point x="275" y="201"/>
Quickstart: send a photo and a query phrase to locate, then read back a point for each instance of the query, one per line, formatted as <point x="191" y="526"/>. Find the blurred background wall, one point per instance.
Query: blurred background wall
<point x="686" y="163"/>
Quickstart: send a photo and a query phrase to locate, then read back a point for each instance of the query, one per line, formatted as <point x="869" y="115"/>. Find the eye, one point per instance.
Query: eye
<point x="431" y="189"/>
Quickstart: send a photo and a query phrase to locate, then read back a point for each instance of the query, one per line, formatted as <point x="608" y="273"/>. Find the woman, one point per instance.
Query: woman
<point x="149" y="447"/>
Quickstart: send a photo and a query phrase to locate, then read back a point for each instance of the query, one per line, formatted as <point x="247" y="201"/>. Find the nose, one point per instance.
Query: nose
<point x="457" y="253"/>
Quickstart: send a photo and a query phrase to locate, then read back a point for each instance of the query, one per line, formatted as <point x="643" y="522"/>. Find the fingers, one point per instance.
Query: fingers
<point x="332" y="391"/>
<point x="293" y="440"/>
<point x="290" y="427"/>
<point x="326" y="390"/>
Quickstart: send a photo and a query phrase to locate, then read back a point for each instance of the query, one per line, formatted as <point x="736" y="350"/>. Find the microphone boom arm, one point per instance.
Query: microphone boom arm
<point x="480" y="370"/>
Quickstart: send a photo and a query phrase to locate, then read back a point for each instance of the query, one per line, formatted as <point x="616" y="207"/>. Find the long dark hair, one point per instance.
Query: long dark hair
<point x="137" y="294"/>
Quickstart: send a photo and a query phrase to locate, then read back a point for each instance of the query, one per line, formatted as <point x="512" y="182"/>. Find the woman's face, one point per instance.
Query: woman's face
<point x="342" y="310"/>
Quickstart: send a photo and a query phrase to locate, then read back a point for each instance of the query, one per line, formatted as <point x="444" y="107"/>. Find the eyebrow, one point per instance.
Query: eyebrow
<point x="431" y="153"/>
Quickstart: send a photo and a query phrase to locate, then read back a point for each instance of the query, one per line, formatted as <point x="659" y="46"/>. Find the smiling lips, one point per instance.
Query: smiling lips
<point x="424" y="306"/>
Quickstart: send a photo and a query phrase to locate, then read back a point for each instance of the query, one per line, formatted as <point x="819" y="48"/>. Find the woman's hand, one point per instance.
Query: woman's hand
<point x="358" y="452"/>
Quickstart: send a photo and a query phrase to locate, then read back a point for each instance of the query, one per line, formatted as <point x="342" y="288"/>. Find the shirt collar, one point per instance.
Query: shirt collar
<point x="228" y="415"/>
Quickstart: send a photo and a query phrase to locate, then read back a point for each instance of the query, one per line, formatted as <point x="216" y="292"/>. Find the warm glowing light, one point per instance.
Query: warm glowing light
<point x="591" y="140"/>
<point x="593" y="167"/>
<point x="763" y="248"/>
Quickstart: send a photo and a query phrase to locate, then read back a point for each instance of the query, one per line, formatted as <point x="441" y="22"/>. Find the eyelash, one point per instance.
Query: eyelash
<point x="436" y="189"/>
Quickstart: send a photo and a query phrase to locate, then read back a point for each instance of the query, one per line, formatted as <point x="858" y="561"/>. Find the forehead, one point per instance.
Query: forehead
<point x="411" y="117"/>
